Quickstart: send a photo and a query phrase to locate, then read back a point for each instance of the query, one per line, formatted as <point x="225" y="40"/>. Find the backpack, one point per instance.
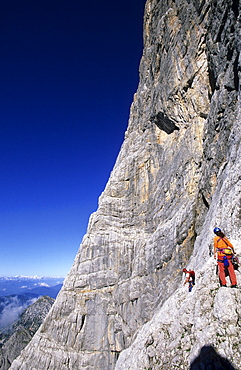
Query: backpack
<point x="192" y="275"/>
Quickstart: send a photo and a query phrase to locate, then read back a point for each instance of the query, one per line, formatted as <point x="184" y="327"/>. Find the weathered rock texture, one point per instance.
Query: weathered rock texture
<point x="176" y="177"/>
<point x="19" y="335"/>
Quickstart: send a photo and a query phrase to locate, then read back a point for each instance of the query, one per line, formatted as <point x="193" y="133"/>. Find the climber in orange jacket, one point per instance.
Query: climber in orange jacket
<point x="224" y="251"/>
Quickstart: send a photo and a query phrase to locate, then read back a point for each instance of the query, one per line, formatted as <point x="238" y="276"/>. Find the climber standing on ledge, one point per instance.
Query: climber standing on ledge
<point x="223" y="252"/>
<point x="190" y="279"/>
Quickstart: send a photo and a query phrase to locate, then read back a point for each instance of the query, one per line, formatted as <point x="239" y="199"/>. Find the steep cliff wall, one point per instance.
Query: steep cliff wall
<point x="176" y="177"/>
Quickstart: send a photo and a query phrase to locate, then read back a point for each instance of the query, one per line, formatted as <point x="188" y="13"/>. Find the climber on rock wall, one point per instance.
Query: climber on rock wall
<point x="223" y="252"/>
<point x="190" y="279"/>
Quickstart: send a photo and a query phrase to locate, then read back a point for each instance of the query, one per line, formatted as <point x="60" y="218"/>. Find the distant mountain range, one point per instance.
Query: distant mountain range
<point x="15" y="336"/>
<point x="30" y="284"/>
<point x="24" y="302"/>
<point x="18" y="292"/>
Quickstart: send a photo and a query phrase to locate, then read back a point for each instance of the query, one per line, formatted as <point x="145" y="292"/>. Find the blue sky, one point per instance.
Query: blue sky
<point x="69" y="70"/>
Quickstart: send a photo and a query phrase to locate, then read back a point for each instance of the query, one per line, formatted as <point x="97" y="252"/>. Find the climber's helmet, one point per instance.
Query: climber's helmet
<point x="216" y="230"/>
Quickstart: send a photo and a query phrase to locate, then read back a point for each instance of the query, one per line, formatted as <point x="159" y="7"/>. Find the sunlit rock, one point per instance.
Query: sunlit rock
<point x="177" y="176"/>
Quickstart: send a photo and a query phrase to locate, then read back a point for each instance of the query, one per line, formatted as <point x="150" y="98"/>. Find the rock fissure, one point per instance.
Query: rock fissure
<point x="123" y="305"/>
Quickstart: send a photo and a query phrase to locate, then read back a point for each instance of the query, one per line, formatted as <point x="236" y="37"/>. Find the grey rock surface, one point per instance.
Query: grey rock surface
<point x="177" y="176"/>
<point x="19" y="335"/>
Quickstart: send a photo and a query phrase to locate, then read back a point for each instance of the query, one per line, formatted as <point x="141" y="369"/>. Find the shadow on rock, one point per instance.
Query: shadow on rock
<point x="209" y="359"/>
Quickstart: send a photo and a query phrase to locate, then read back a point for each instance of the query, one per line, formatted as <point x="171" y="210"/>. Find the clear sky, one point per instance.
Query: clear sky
<point x="69" y="69"/>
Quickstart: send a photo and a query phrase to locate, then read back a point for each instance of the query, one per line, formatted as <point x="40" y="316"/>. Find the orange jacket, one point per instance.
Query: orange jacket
<point x="223" y="246"/>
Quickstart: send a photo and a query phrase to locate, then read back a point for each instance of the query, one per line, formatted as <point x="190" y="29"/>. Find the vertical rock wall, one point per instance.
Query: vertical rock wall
<point x="201" y="330"/>
<point x="176" y="177"/>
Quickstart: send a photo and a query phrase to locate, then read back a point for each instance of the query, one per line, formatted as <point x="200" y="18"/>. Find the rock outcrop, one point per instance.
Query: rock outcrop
<point x="16" y="337"/>
<point x="177" y="176"/>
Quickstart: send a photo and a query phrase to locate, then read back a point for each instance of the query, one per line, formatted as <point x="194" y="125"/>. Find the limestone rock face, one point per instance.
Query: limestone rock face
<point x="177" y="176"/>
